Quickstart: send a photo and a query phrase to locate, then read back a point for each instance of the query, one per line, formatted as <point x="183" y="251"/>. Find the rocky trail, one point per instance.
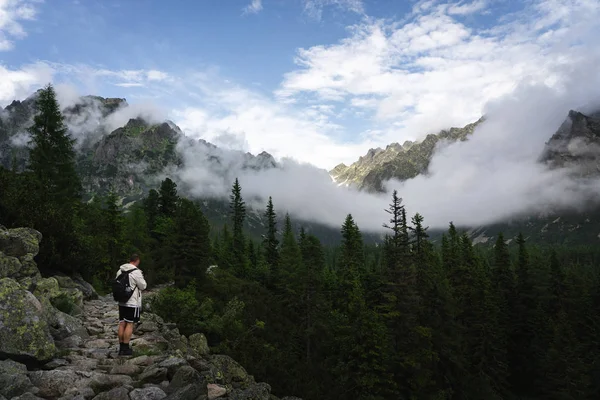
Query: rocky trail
<point x="50" y="354"/>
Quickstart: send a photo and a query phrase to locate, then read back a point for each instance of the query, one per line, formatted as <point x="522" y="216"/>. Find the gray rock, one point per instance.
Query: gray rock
<point x="147" y="326"/>
<point x="184" y="376"/>
<point x="231" y="371"/>
<point x="291" y="398"/>
<point x="198" y="345"/>
<point x="55" y="383"/>
<point x="141" y="360"/>
<point x="27" y="396"/>
<point x="119" y="393"/>
<point x="24" y="332"/>
<point x="125" y="369"/>
<point x="29" y="268"/>
<point x="153" y="374"/>
<point x="78" y="394"/>
<point x="189" y="392"/>
<point x="71" y="342"/>
<point x="172" y="364"/>
<point x="149" y="393"/>
<point x="64" y="325"/>
<point x="97" y="344"/>
<point x="75" y="281"/>
<point x="256" y="391"/>
<point x="56" y="363"/>
<point x="19" y="242"/>
<point x="104" y="382"/>
<point x="9" y="266"/>
<point x="215" y="391"/>
<point x="13" y="379"/>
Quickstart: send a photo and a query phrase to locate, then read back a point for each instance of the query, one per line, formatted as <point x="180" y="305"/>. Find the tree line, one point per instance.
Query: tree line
<point x="404" y="319"/>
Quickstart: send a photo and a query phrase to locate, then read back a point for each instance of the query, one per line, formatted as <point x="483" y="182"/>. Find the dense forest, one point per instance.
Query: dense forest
<point x="405" y="319"/>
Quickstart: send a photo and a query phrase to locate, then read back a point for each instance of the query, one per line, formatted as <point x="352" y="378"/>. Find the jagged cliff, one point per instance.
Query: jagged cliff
<point x="396" y="161"/>
<point x="58" y="341"/>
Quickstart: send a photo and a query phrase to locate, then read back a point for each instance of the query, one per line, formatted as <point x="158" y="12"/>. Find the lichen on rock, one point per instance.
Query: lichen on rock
<point x="24" y="332"/>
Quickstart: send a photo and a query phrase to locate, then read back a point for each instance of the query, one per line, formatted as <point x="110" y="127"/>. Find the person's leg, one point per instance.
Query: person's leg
<point x="121" y="331"/>
<point x="130" y="317"/>
<point x="127" y="333"/>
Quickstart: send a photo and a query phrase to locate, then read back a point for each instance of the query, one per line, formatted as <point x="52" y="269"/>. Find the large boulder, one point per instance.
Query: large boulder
<point x="198" y="345"/>
<point x="24" y="331"/>
<point x="20" y="241"/>
<point x="75" y="281"/>
<point x="17" y="249"/>
<point x="68" y="300"/>
<point x="230" y="372"/>
<point x="13" y="379"/>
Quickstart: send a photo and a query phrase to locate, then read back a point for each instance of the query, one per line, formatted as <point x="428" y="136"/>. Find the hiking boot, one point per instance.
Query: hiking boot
<point x="127" y="351"/>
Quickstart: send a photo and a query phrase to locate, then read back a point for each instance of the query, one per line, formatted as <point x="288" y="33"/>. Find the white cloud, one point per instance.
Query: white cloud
<point x="12" y="12"/>
<point x="16" y="84"/>
<point x="495" y="175"/>
<point x="314" y="8"/>
<point x="465" y="8"/>
<point x="434" y="71"/>
<point x="262" y="124"/>
<point x="254" y="7"/>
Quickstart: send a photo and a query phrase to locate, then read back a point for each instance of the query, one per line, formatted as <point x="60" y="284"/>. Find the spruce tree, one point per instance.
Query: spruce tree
<point x="57" y="186"/>
<point x="167" y="204"/>
<point x="270" y="242"/>
<point x="189" y="249"/>
<point x="115" y="248"/>
<point x="504" y="289"/>
<point x="522" y="358"/>
<point x="237" y="208"/>
<point x="151" y="207"/>
<point x="52" y="153"/>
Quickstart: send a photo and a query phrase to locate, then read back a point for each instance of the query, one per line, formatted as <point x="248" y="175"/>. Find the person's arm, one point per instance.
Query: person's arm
<point x="140" y="282"/>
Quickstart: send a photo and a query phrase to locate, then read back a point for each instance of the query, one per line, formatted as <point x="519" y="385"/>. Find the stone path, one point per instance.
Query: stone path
<point x="165" y="365"/>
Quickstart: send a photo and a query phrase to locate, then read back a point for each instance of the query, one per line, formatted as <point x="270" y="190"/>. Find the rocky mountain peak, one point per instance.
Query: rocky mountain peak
<point x="396" y="161"/>
<point x="575" y="144"/>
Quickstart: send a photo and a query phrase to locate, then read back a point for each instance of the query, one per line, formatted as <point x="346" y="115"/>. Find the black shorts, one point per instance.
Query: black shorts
<point x="129" y="314"/>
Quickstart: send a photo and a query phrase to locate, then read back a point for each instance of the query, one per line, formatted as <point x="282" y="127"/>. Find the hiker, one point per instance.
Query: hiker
<point x="127" y="290"/>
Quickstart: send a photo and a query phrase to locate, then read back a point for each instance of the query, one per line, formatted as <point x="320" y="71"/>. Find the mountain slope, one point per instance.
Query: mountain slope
<point x="137" y="155"/>
<point x="397" y="161"/>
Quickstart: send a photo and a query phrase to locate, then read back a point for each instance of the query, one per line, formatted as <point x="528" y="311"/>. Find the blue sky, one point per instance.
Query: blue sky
<point x="321" y="81"/>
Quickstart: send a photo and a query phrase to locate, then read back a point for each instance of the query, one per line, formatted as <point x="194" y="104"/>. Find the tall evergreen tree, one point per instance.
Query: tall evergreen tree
<point x="52" y="153"/>
<point x="151" y="207"/>
<point x="167" y="203"/>
<point x="522" y="361"/>
<point x="270" y="242"/>
<point x="237" y="208"/>
<point x="504" y="289"/>
<point x="57" y="186"/>
<point x="190" y="251"/>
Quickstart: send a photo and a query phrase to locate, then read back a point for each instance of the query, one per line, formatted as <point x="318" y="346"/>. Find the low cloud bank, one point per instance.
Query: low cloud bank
<point x="493" y="176"/>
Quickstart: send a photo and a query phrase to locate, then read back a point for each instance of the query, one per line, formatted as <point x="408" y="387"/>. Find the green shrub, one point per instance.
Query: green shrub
<point x="64" y="303"/>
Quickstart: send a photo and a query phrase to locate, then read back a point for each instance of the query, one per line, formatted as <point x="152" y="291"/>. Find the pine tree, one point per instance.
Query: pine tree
<point x="167" y="203"/>
<point x="360" y="335"/>
<point x="189" y="244"/>
<point x="270" y="242"/>
<point x="419" y="236"/>
<point x="57" y="187"/>
<point x="522" y="358"/>
<point x="151" y="207"/>
<point x="52" y="155"/>
<point x="504" y="289"/>
<point x="115" y="248"/>
<point x="237" y="208"/>
<point x="289" y="260"/>
<point x="313" y="262"/>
